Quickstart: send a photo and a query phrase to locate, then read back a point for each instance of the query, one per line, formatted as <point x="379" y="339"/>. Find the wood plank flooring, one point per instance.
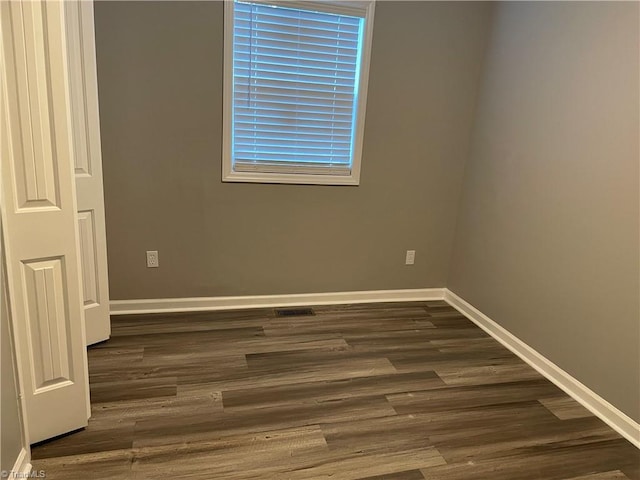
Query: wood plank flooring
<point x="401" y="391"/>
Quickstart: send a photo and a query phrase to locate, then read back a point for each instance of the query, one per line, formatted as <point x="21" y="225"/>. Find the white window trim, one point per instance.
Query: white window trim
<point x="361" y="8"/>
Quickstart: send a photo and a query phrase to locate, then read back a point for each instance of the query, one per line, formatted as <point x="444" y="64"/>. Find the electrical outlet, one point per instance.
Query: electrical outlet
<point x="410" y="259"/>
<point x="152" y="259"/>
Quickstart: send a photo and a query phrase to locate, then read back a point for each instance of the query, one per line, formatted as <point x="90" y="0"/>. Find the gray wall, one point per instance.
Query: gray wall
<point x="160" y="81"/>
<point x="10" y="426"/>
<point x="547" y="242"/>
<point x="547" y="235"/>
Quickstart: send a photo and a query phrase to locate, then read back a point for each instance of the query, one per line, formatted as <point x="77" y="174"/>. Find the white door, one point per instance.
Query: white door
<point x="88" y="168"/>
<point x="39" y="218"/>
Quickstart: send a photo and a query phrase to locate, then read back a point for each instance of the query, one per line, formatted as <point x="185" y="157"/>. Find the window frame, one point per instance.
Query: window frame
<point x="364" y="9"/>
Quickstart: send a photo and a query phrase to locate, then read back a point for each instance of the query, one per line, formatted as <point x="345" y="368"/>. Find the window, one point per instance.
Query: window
<point x="296" y="77"/>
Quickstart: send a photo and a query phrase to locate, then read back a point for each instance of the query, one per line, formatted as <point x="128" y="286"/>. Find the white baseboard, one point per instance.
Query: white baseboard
<point x="22" y="467"/>
<point x="167" y="305"/>
<point x="597" y="405"/>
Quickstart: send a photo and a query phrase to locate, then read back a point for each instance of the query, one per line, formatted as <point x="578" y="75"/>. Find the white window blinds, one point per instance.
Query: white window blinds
<point x="295" y="89"/>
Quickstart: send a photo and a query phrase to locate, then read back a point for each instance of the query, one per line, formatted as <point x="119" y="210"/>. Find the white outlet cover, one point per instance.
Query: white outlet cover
<point x="410" y="259"/>
<point x="152" y="259"/>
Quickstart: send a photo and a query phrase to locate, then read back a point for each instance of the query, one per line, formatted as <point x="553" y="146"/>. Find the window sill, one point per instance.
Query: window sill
<point x="291" y="178"/>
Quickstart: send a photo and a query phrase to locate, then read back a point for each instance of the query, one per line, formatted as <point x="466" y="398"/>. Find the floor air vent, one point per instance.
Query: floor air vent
<point x="294" y="312"/>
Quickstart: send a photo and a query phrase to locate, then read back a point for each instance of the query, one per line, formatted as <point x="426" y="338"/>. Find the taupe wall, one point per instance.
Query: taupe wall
<point x="10" y="426"/>
<point x="547" y="242"/>
<point x="160" y="80"/>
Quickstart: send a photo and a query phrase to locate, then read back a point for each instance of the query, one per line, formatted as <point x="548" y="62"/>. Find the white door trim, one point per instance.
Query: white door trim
<point x="22" y="468"/>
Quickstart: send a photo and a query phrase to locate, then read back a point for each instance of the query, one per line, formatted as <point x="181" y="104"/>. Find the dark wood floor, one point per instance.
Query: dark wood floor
<point x="386" y="391"/>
